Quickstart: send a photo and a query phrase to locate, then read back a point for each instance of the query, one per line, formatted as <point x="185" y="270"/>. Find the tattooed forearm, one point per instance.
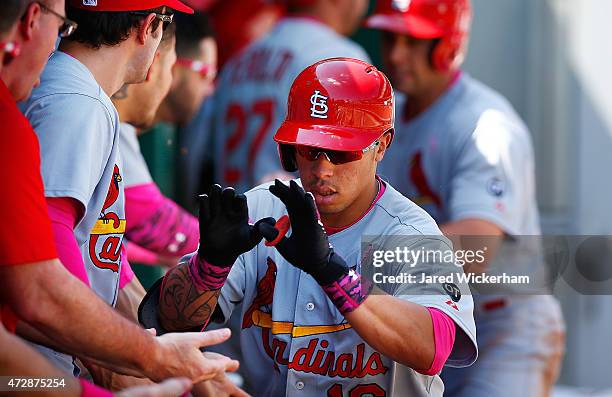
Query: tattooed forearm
<point x="182" y="305"/>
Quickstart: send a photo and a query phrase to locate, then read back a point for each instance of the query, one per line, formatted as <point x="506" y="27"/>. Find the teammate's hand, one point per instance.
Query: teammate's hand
<point x="174" y="387"/>
<point x="308" y="247"/>
<point x="179" y="355"/>
<point x="225" y="232"/>
<point x="221" y="386"/>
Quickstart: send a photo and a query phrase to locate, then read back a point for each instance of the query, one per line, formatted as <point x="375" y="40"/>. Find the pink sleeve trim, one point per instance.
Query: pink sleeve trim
<point x="63" y="212"/>
<point x="91" y="390"/>
<point x="444" y="339"/>
<point x="158" y="224"/>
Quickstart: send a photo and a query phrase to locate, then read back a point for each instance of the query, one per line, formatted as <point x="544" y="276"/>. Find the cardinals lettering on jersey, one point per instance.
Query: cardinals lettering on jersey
<point x="346" y="365"/>
<point x="107" y="233"/>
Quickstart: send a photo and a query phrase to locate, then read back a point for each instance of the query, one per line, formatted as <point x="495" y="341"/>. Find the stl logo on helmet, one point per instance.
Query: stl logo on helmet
<point x="401" y="5"/>
<point x="319" y="106"/>
<point x="91" y="3"/>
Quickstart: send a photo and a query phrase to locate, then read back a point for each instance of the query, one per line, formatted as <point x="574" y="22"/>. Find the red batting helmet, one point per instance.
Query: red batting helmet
<point x="340" y="104"/>
<point x="447" y="20"/>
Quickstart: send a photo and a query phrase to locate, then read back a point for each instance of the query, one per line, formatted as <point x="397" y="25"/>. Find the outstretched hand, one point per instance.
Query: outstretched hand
<point x="180" y="355"/>
<point x="225" y="232"/>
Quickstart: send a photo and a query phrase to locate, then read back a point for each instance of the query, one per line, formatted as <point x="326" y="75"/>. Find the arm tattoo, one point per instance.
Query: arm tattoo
<point x="182" y="306"/>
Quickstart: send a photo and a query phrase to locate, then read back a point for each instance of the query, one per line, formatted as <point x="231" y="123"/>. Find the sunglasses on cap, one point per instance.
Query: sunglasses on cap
<point x="203" y="69"/>
<point x="68" y="26"/>
<point x="335" y="157"/>
<point x="165" y="18"/>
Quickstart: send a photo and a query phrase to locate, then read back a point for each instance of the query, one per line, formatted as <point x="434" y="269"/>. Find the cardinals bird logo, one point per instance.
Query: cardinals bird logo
<point x="108" y="229"/>
<point x="426" y="195"/>
<point x="111" y="198"/>
<point x="265" y="294"/>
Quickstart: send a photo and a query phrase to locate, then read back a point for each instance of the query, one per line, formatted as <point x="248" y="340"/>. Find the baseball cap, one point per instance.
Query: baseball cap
<point x="129" y="5"/>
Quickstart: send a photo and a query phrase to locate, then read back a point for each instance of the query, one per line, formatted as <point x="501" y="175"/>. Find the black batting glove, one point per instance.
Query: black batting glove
<point x="308" y="247"/>
<point x="225" y="232"/>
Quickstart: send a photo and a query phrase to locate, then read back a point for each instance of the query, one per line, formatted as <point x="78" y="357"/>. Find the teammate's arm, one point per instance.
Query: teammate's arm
<point x="473" y="234"/>
<point x="158" y="224"/>
<point x="51" y="300"/>
<point x="17" y="359"/>
<point x="131" y="293"/>
<point x="488" y="191"/>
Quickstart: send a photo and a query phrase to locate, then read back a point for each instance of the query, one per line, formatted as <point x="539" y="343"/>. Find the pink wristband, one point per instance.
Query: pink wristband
<point x="205" y="276"/>
<point x="348" y="292"/>
<point x="91" y="390"/>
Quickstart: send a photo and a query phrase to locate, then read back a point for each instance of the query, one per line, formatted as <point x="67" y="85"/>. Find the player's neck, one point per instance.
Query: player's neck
<point x="107" y="64"/>
<point x="419" y="103"/>
<point x="164" y="112"/>
<point x="356" y="210"/>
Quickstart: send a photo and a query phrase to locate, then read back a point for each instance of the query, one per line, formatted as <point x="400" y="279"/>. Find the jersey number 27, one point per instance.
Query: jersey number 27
<point x="237" y="114"/>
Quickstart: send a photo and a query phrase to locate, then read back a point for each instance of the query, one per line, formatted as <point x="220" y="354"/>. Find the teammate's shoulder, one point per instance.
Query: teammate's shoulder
<point x="472" y="104"/>
<point x="67" y="79"/>
<point x="313" y="41"/>
<point x="475" y="98"/>
<point x="402" y="216"/>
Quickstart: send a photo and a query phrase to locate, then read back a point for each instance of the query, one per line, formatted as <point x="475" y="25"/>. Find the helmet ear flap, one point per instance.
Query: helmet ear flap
<point x="442" y="55"/>
<point x="287" y="157"/>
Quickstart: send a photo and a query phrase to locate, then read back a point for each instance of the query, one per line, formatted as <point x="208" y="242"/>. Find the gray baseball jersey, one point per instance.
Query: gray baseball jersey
<point x="78" y="129"/>
<point x="294" y="340"/>
<point x="251" y="97"/>
<point x="135" y="168"/>
<point x="470" y="156"/>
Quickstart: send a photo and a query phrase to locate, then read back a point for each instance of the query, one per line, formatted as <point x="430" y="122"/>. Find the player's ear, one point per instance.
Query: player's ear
<point x="30" y="20"/>
<point x="147" y="28"/>
<point x="385" y="142"/>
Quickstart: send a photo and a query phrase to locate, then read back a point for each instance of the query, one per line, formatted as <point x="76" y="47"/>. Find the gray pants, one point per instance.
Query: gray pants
<point x="520" y="349"/>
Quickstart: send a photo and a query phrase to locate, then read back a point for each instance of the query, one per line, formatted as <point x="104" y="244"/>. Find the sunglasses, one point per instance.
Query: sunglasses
<point x="203" y="69"/>
<point x="165" y="18"/>
<point x="335" y="157"/>
<point x="68" y="27"/>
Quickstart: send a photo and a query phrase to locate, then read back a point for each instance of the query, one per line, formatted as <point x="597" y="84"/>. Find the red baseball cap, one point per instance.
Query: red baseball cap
<point x="129" y="5"/>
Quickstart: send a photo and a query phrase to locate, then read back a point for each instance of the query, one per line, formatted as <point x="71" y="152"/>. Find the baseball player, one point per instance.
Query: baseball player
<point x="195" y="70"/>
<point x="157" y="228"/>
<point x="33" y="283"/>
<point x="250" y="100"/>
<point x="193" y="82"/>
<point x="465" y="156"/>
<point x="309" y="326"/>
<point x="77" y="126"/>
